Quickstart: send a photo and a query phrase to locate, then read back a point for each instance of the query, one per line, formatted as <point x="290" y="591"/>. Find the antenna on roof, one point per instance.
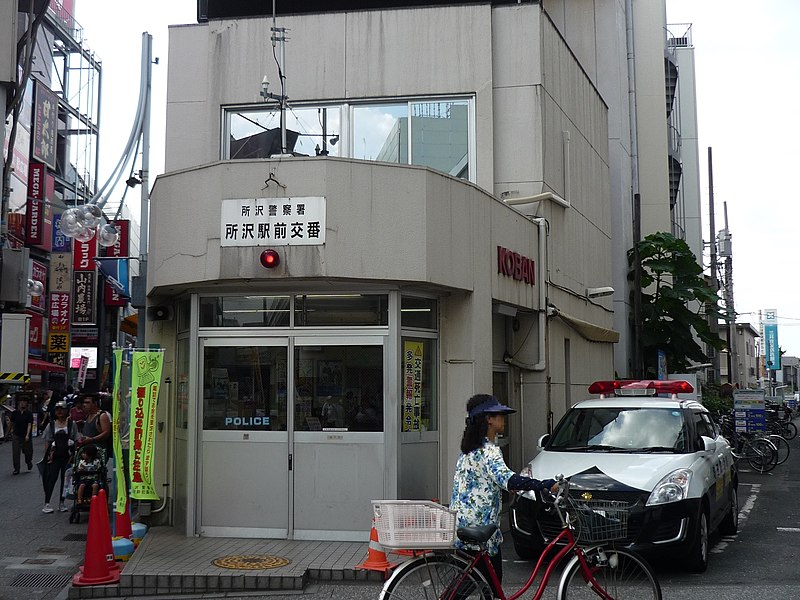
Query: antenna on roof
<point x="278" y="36"/>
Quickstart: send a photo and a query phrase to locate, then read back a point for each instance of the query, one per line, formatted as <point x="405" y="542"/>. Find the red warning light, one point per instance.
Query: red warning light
<point x="270" y="259"/>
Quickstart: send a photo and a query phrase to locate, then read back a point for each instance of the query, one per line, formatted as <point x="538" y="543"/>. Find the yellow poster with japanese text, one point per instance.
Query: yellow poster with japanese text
<point x="412" y="385"/>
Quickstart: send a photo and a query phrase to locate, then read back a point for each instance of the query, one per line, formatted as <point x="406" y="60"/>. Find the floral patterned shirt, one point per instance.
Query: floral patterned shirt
<point x="479" y="477"/>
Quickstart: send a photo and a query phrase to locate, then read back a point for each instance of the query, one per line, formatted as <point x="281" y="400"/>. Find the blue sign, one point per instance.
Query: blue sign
<point x="772" y="351"/>
<point x="61" y="243"/>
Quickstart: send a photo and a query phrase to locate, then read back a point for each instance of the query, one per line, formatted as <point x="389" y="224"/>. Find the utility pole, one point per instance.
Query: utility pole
<point x="726" y="250"/>
<point x="714" y="322"/>
<point x="147" y="65"/>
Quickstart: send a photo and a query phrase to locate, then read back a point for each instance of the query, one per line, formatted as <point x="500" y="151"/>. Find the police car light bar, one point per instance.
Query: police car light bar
<point x="639" y="387"/>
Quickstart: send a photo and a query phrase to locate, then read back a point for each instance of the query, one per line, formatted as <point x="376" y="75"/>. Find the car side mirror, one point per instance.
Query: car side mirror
<point x="708" y="443"/>
<point x="543" y="441"/>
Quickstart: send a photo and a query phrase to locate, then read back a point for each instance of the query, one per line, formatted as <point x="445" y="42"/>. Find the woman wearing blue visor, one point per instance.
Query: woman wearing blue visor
<point x="481" y="474"/>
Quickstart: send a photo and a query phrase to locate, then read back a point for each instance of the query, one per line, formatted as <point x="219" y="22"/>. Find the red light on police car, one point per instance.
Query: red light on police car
<point x="270" y="259"/>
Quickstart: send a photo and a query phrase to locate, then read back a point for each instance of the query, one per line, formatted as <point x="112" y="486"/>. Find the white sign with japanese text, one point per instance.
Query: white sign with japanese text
<point x="273" y="221"/>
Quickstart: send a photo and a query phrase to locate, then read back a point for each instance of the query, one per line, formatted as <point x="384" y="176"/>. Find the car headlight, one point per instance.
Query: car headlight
<point x="672" y="488"/>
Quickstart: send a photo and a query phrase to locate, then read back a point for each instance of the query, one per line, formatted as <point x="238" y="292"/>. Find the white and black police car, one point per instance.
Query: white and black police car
<point x="662" y="455"/>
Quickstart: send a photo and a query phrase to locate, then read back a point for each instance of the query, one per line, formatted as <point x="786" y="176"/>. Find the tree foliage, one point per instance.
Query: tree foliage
<point x="676" y="304"/>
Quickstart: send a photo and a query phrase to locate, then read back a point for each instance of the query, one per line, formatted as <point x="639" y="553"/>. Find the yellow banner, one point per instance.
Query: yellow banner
<point x="145" y="382"/>
<point x="412" y="384"/>
<point x="119" y="461"/>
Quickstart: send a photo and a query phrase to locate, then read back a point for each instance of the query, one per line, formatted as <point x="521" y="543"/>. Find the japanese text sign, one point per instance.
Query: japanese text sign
<point x="273" y="221"/>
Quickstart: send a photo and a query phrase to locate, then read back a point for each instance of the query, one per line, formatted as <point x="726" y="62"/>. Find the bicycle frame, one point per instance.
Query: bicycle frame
<point x="571" y="546"/>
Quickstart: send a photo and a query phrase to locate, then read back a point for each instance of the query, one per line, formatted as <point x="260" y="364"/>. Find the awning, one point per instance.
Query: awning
<point x="130" y="324"/>
<point x="35" y="364"/>
<point x="590" y="331"/>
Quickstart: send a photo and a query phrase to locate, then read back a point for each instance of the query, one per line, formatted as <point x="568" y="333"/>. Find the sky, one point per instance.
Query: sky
<point x="746" y="56"/>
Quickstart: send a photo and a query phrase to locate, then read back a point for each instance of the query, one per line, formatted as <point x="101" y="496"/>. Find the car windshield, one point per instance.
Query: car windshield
<point x="620" y="430"/>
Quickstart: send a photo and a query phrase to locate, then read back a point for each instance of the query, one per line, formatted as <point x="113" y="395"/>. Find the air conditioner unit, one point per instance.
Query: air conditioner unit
<point x="14" y="276"/>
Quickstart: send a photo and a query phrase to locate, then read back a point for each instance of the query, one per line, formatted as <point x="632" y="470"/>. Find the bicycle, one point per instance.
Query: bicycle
<point x="596" y="567"/>
<point x="759" y="452"/>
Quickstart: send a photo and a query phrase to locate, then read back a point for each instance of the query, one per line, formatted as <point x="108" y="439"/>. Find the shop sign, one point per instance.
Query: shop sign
<point x="35" y="333"/>
<point x="84" y="334"/>
<point x="110" y="296"/>
<point x="58" y="343"/>
<point x="83" y="255"/>
<point x="412" y="379"/>
<point x="61" y="273"/>
<point x="513" y="264"/>
<point x="44" y="126"/>
<point x="83" y="298"/>
<point x="58" y="359"/>
<point x="59" y="311"/>
<point x="38" y="272"/>
<point x="61" y="242"/>
<point x="273" y="221"/>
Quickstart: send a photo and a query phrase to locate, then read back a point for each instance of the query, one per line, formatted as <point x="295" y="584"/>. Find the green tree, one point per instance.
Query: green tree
<point x="671" y="279"/>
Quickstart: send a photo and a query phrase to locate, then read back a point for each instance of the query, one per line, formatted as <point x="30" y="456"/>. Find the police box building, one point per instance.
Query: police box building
<point x="423" y="228"/>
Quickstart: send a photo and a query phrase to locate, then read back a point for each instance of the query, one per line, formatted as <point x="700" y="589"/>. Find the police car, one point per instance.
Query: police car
<point x="662" y="455"/>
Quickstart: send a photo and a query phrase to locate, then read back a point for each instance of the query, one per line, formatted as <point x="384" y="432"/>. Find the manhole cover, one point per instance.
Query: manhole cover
<point x="40" y="580"/>
<point x="251" y="561"/>
<point x="51" y="550"/>
<point x="38" y="561"/>
<point x="74" y="537"/>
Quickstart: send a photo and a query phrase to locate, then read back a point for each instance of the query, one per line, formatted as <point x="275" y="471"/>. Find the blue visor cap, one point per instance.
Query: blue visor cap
<point x="491" y="406"/>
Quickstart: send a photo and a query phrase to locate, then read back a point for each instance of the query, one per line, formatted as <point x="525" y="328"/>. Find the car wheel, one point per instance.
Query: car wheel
<point x="697" y="558"/>
<point x="528" y="551"/>
<point x="730" y="522"/>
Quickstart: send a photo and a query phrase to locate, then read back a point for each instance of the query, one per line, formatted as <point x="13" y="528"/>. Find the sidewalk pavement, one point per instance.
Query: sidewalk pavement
<point x="39" y="554"/>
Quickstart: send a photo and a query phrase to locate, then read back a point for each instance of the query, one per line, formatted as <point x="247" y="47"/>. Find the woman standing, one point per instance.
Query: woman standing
<point x="481" y="474"/>
<point x="60" y="436"/>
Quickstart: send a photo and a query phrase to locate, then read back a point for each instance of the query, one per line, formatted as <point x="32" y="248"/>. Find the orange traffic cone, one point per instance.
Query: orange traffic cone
<point x="376" y="557"/>
<point x="95" y="569"/>
<point x="122" y="525"/>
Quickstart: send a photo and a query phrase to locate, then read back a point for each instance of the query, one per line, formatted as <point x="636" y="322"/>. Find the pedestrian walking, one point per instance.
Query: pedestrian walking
<point x="21" y="431"/>
<point x="60" y="437"/>
<point x="97" y="426"/>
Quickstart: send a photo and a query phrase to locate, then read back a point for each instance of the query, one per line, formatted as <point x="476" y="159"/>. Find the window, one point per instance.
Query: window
<point x="244" y="311"/>
<point x="317" y="310"/>
<point x="418" y="313"/>
<point x="434" y="133"/>
<point x="257" y="133"/>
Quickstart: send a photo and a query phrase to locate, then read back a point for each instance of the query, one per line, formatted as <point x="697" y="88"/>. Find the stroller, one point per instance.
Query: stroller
<point x="101" y="475"/>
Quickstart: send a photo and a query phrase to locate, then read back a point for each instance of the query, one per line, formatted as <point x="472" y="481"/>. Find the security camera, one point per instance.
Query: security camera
<point x="599" y="292"/>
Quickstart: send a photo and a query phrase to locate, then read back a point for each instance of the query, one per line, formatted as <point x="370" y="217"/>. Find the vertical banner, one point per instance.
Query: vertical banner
<point x="44" y="126"/>
<point x="112" y="297"/>
<point x="412" y="380"/>
<point x="146" y="369"/>
<point x="121" y="410"/>
<point x="772" y="353"/>
<point x="38" y="272"/>
<point x="83" y="301"/>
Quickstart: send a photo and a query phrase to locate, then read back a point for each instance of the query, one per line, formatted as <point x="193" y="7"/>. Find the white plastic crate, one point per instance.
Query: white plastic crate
<point x="414" y="524"/>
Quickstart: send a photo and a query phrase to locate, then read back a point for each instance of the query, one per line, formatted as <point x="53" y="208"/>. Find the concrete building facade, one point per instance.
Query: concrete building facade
<point x="422" y="284"/>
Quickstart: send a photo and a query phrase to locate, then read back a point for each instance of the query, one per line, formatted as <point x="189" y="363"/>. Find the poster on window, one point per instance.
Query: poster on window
<point x="413" y="353"/>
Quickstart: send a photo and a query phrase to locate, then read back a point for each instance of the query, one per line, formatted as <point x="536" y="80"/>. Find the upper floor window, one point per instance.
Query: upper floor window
<point x="435" y="133"/>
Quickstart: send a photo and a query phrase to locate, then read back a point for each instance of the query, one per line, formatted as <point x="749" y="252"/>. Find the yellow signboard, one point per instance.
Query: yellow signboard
<point x="412" y="385"/>
<point x="57" y="342"/>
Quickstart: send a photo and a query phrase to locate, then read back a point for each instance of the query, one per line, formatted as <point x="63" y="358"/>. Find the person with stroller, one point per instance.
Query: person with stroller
<point x="88" y="474"/>
<point x="97" y="426"/>
<point x="60" y="436"/>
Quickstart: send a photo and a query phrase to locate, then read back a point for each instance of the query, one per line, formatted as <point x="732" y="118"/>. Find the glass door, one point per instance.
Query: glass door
<point x="338" y="440"/>
<point x="244" y="439"/>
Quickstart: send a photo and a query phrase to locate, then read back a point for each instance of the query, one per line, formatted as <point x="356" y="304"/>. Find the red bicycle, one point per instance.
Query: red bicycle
<point x="595" y="567"/>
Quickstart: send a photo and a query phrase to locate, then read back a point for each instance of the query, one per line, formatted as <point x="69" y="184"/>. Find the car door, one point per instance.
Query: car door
<point x="715" y="463"/>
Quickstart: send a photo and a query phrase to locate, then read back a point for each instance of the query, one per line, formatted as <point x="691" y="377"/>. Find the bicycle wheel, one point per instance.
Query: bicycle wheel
<point x="436" y="577"/>
<point x="623" y="574"/>
<point x="789" y="430"/>
<point x="781" y="445"/>
<point x="761" y="455"/>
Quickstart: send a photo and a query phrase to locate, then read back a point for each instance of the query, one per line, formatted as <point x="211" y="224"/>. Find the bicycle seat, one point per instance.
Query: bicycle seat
<point x="476" y="535"/>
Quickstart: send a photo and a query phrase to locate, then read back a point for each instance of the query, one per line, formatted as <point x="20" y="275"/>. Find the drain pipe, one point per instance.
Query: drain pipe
<point x="544" y="313"/>
<point x="167" y="454"/>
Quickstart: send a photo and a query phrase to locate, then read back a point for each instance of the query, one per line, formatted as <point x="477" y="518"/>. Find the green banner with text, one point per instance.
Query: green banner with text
<point x="146" y="367"/>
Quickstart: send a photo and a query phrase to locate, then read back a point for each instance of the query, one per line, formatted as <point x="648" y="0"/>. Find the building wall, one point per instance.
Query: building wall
<point x="540" y="124"/>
